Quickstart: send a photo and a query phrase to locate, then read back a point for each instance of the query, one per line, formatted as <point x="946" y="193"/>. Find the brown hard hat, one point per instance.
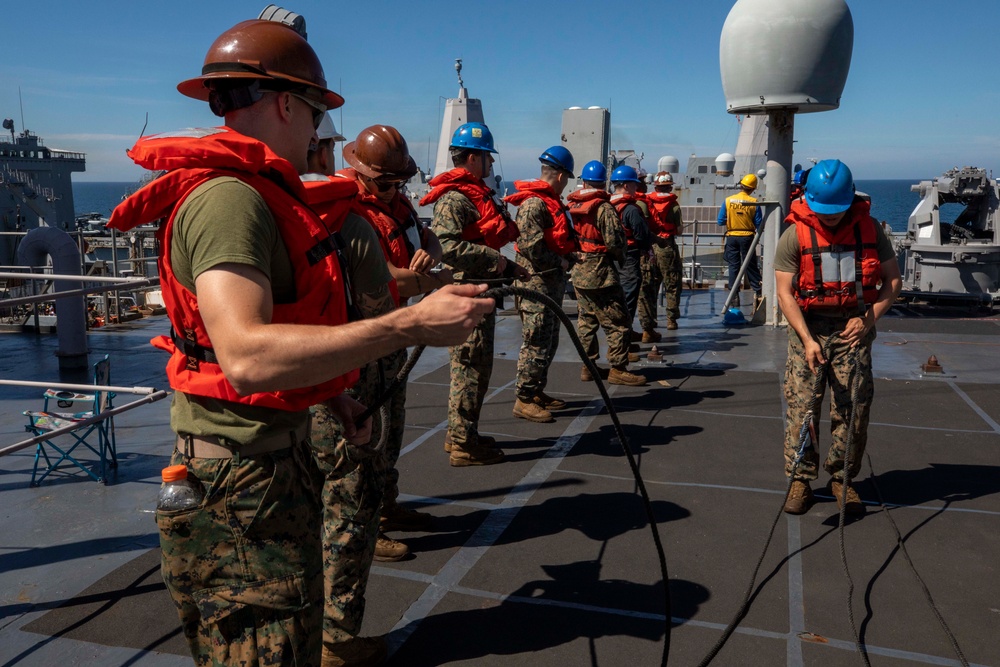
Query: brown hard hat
<point x="380" y="151"/>
<point x="265" y="51"/>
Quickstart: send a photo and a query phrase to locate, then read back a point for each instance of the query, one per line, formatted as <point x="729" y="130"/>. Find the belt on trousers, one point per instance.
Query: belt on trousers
<point x="202" y="447"/>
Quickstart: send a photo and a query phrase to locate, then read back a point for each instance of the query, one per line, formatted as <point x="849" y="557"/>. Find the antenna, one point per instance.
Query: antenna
<point x="145" y="123"/>
<point x="340" y="82"/>
<point x="21" y="104"/>
<point x="458" y="70"/>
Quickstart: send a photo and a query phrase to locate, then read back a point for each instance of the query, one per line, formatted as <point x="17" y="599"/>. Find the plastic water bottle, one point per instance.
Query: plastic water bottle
<point x="177" y="491"/>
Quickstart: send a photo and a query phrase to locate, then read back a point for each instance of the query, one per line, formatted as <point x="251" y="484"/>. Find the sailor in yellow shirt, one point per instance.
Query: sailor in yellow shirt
<point x="741" y="223"/>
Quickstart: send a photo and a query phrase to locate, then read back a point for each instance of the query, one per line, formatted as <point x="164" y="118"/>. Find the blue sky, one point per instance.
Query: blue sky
<point x="921" y="96"/>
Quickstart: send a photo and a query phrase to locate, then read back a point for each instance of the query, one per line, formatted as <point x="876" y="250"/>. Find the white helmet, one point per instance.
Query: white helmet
<point x="327" y="130"/>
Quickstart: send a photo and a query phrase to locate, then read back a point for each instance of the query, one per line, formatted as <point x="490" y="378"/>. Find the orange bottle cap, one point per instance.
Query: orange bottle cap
<point x="175" y="473"/>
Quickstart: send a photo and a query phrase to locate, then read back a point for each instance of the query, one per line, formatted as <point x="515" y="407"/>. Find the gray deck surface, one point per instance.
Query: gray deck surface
<point x="547" y="559"/>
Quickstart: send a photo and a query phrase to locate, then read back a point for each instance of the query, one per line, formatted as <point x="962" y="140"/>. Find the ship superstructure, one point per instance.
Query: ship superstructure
<point x="36" y="189"/>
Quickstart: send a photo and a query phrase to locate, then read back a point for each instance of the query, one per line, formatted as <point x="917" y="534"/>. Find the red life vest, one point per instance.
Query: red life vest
<point x="494" y="228"/>
<point x="192" y="157"/>
<point x="660" y="204"/>
<point x="621" y="202"/>
<point x="390" y="222"/>
<point x="836" y="264"/>
<point x="583" y="205"/>
<point x="559" y="237"/>
<point x="332" y="199"/>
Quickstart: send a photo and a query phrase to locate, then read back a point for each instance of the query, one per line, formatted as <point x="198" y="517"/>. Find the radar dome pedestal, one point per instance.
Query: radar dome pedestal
<point x="779" y="58"/>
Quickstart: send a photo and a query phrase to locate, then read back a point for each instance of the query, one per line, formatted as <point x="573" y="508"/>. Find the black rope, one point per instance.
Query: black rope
<point x="805" y="434"/>
<point x="549" y="303"/>
<point x="906" y="555"/>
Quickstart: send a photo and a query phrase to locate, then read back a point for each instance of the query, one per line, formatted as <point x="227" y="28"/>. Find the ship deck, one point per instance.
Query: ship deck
<point x="547" y="559"/>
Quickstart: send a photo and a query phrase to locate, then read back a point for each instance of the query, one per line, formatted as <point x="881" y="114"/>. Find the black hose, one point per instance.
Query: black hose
<point x="532" y="295"/>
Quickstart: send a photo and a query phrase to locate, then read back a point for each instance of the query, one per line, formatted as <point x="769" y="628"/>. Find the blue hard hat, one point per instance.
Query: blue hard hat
<point x="830" y="187"/>
<point x="473" y="135"/>
<point x="624" y="174"/>
<point x="594" y="171"/>
<point x="558" y="157"/>
<point x="799" y="178"/>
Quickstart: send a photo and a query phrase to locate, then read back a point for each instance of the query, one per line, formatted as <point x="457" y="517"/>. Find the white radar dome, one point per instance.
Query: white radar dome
<point x="785" y="54"/>
<point x="724" y="164"/>
<point x="669" y="164"/>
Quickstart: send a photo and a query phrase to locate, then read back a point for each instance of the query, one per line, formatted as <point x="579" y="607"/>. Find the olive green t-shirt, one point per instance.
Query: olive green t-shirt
<point x="226" y="221"/>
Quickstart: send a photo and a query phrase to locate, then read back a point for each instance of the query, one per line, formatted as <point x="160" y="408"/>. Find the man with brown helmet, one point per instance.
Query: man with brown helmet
<point x="243" y="280"/>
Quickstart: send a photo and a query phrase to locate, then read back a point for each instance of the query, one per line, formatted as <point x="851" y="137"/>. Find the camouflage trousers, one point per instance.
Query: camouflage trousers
<point x="244" y="568"/>
<point x="471" y="368"/>
<point x="540" y="335"/>
<point x="354" y="483"/>
<point x="604" y="307"/>
<point x="841" y="365"/>
<point x="663" y="267"/>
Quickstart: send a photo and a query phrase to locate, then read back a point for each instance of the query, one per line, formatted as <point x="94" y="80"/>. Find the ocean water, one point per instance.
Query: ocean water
<point x="892" y="200"/>
<point x="98" y="197"/>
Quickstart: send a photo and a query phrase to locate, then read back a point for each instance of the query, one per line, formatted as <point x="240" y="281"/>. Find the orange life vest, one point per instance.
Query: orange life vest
<point x="332" y="199"/>
<point x="836" y="264"/>
<point x="494" y="228"/>
<point x="621" y="202"/>
<point x="583" y="205"/>
<point x="660" y="204"/>
<point x="192" y="157"/>
<point x="390" y="222"/>
<point x="559" y="237"/>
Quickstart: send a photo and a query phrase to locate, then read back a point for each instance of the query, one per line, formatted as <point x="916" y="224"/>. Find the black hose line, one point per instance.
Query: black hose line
<point x="532" y="295"/>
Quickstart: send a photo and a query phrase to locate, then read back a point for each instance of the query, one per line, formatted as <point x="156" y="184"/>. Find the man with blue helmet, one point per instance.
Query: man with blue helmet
<point x="472" y="225"/>
<point x="625" y="180"/>
<point x="836" y="275"/>
<point x="600" y="299"/>
<point x="545" y="244"/>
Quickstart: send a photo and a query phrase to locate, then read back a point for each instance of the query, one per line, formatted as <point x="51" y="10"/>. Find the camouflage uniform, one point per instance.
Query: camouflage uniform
<point x="539" y="325"/>
<point x="353" y="486"/>
<point x="354" y="478"/>
<point x="244" y="573"/>
<point x="599" y="295"/>
<point x="651" y="280"/>
<point x="472" y="361"/>
<point x="667" y="259"/>
<point x="799" y="385"/>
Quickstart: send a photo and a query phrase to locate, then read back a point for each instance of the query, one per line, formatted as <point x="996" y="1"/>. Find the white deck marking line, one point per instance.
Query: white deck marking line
<point x="972" y="404"/>
<point x="840" y="644"/>
<point x="827" y="421"/>
<point x="490" y="529"/>
<point x="750" y="489"/>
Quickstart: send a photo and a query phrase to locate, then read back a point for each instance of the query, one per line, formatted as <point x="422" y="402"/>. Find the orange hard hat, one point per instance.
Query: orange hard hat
<point x="265" y="51"/>
<point x="380" y="151"/>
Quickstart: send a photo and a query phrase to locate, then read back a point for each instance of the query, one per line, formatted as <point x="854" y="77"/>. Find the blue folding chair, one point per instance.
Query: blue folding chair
<point x="98" y="437"/>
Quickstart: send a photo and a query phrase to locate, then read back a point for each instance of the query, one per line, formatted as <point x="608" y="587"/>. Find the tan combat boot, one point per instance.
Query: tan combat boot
<point x="586" y="376"/>
<point x="487" y="440"/>
<point x="479" y="454"/>
<point x="548" y="402"/>
<point x="633" y="357"/>
<point x="854" y="506"/>
<point x="357" y="652"/>
<point x="532" y="412"/>
<point x="622" y="376"/>
<point x="652" y="336"/>
<point x="800" y="498"/>
<point x="672" y="325"/>
<point x="388" y="550"/>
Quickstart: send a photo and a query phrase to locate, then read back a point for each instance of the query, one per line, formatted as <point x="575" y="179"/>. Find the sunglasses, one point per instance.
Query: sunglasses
<point x="385" y="186"/>
<point x="318" y="109"/>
